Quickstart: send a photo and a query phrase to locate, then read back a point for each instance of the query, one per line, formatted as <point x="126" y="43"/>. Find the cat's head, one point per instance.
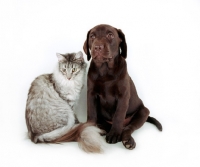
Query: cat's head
<point x="71" y="64"/>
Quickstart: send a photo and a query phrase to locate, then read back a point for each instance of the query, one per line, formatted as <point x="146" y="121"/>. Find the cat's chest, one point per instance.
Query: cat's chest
<point x="71" y="91"/>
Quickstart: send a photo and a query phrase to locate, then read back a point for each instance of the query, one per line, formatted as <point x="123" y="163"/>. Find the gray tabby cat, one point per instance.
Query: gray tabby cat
<point x="51" y="100"/>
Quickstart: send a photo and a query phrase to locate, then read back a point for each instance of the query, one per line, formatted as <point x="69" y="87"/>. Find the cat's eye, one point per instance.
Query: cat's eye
<point x="63" y="69"/>
<point x="73" y="69"/>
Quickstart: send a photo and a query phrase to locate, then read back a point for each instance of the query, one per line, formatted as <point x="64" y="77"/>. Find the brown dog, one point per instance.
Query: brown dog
<point x="113" y="103"/>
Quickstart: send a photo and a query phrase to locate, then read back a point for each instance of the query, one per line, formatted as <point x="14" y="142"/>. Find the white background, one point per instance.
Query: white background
<point x="163" y="38"/>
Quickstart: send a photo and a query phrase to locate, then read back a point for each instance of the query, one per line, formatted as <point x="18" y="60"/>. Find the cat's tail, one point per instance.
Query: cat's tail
<point x="87" y="135"/>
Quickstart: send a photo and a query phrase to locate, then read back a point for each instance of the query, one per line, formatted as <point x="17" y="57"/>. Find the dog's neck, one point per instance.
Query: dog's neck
<point x="106" y="67"/>
<point x="103" y="70"/>
<point x="109" y="64"/>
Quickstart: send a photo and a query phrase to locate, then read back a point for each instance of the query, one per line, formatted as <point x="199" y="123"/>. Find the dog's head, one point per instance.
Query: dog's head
<point x="104" y="43"/>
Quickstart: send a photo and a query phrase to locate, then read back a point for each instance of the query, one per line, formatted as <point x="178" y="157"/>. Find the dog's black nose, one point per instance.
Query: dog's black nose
<point x="98" y="48"/>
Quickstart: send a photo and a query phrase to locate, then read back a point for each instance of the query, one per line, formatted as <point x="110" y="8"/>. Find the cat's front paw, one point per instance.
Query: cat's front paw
<point x="40" y="139"/>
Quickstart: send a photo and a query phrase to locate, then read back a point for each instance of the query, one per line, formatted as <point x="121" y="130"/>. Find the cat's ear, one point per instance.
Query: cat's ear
<point x="60" y="57"/>
<point x="79" y="56"/>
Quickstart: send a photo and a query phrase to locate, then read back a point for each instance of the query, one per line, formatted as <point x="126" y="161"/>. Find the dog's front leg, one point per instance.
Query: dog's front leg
<point x="91" y="111"/>
<point x="91" y="103"/>
<point x="114" y="135"/>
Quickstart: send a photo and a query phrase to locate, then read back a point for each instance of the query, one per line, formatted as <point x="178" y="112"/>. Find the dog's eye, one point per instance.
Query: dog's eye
<point x="110" y="35"/>
<point x="92" y="36"/>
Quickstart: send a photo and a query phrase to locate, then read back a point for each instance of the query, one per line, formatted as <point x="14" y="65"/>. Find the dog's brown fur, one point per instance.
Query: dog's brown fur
<point x="113" y="103"/>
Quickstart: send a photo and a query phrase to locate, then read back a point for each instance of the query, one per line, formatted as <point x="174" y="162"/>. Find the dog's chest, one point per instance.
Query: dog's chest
<point x="106" y="93"/>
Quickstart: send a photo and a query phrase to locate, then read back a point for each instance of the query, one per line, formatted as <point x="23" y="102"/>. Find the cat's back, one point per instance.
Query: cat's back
<point x="42" y="90"/>
<point x="45" y="110"/>
<point x="42" y="82"/>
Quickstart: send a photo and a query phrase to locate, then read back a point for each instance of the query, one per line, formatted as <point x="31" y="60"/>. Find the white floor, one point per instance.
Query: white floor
<point x="163" y="39"/>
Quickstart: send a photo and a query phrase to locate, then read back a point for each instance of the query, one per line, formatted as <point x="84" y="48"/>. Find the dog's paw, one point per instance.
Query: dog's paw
<point x="128" y="142"/>
<point x="113" y="137"/>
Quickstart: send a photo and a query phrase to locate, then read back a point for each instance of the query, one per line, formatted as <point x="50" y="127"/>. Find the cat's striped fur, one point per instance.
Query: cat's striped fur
<point x="51" y="99"/>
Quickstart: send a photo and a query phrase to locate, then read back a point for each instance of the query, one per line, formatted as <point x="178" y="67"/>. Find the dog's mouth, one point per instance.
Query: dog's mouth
<point x="101" y="56"/>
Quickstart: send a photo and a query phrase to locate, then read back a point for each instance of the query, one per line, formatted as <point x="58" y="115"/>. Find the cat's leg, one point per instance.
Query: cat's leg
<point x="47" y="137"/>
<point x="59" y="132"/>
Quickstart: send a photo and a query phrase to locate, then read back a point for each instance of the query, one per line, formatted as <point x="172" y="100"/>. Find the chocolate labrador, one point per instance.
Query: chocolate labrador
<point x="113" y="103"/>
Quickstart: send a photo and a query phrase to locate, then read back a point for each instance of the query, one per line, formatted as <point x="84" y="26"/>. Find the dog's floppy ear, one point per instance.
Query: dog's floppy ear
<point x="86" y="47"/>
<point x="122" y="45"/>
